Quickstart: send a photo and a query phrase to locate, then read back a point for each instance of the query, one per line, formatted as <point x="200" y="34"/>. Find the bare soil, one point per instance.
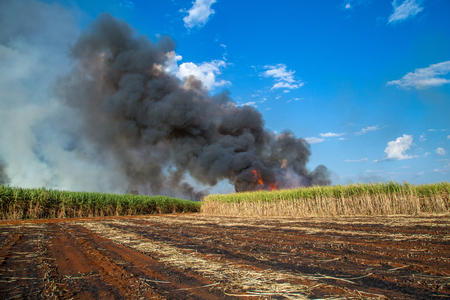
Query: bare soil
<point x="196" y="256"/>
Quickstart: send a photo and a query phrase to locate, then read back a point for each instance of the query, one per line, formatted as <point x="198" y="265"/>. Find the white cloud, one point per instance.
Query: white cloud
<point x="314" y="140"/>
<point x="422" y="137"/>
<point x="419" y="173"/>
<point x="395" y="149"/>
<point x="432" y="130"/>
<point x="367" y="129"/>
<point x="206" y="72"/>
<point x="426" y="154"/>
<point x="127" y="4"/>
<point x="352" y="4"/>
<point x="409" y="8"/>
<point x="251" y="103"/>
<point x="330" y="134"/>
<point x="440" y="151"/>
<point x="356" y="160"/>
<point x="425" y="77"/>
<point x="199" y="14"/>
<point x="284" y="78"/>
<point x="448" y="137"/>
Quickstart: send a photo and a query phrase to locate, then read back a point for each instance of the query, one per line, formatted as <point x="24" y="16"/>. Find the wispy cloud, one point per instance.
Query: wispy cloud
<point x="351" y="4"/>
<point x="199" y="14"/>
<point x="127" y="3"/>
<point x="432" y="130"/>
<point x="395" y="150"/>
<point x="422" y="137"/>
<point x="356" y="160"/>
<point x="446" y="163"/>
<point x="440" y="151"/>
<point x="206" y="72"/>
<point x="367" y="129"/>
<point x="426" y="154"/>
<point x="425" y="77"/>
<point x="330" y="134"/>
<point x="409" y="8"/>
<point x="448" y="137"/>
<point x="314" y="140"/>
<point x="251" y="103"/>
<point x="283" y="77"/>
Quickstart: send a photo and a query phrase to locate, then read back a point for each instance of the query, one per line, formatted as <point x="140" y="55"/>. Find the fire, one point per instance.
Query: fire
<point x="273" y="186"/>
<point x="258" y="178"/>
<point x="260" y="183"/>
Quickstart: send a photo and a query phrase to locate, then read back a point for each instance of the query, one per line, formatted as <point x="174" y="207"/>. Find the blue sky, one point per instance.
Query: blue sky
<point x="367" y="83"/>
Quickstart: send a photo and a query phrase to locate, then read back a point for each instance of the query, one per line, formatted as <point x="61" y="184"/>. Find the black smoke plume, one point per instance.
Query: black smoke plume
<point x="159" y="129"/>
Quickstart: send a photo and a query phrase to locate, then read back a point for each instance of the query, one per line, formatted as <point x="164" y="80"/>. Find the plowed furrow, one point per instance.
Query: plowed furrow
<point x="198" y="256"/>
<point x="227" y="273"/>
<point x="21" y="270"/>
<point x="317" y="264"/>
<point x="419" y="255"/>
<point x="89" y="272"/>
<point x="169" y="282"/>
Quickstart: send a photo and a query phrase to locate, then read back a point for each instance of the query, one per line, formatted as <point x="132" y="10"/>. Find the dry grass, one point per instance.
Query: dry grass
<point x="375" y="199"/>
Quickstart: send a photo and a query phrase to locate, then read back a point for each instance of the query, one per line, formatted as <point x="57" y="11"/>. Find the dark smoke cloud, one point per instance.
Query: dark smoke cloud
<point x="160" y="129"/>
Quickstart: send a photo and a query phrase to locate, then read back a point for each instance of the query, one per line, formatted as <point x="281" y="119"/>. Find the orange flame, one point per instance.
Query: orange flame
<point x="260" y="183"/>
<point x="273" y="186"/>
<point x="258" y="178"/>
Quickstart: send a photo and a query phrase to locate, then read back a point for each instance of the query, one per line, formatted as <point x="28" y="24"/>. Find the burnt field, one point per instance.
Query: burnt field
<point x="196" y="256"/>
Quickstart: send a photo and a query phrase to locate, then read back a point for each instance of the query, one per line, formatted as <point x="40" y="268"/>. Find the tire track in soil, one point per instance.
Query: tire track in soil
<point x="385" y="276"/>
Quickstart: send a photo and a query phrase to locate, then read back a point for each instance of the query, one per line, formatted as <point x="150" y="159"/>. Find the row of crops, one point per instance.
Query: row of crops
<point x="20" y="203"/>
<point x="360" y="199"/>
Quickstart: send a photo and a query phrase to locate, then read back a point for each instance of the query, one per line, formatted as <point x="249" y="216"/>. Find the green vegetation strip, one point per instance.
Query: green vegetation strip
<point x="20" y="203"/>
<point x="364" y="199"/>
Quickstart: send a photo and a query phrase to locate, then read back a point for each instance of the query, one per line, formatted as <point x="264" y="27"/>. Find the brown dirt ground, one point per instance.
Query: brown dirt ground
<point x="195" y="256"/>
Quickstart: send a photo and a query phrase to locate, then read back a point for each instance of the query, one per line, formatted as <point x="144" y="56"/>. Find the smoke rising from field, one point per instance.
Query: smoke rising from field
<point x="119" y="122"/>
<point x="159" y="128"/>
